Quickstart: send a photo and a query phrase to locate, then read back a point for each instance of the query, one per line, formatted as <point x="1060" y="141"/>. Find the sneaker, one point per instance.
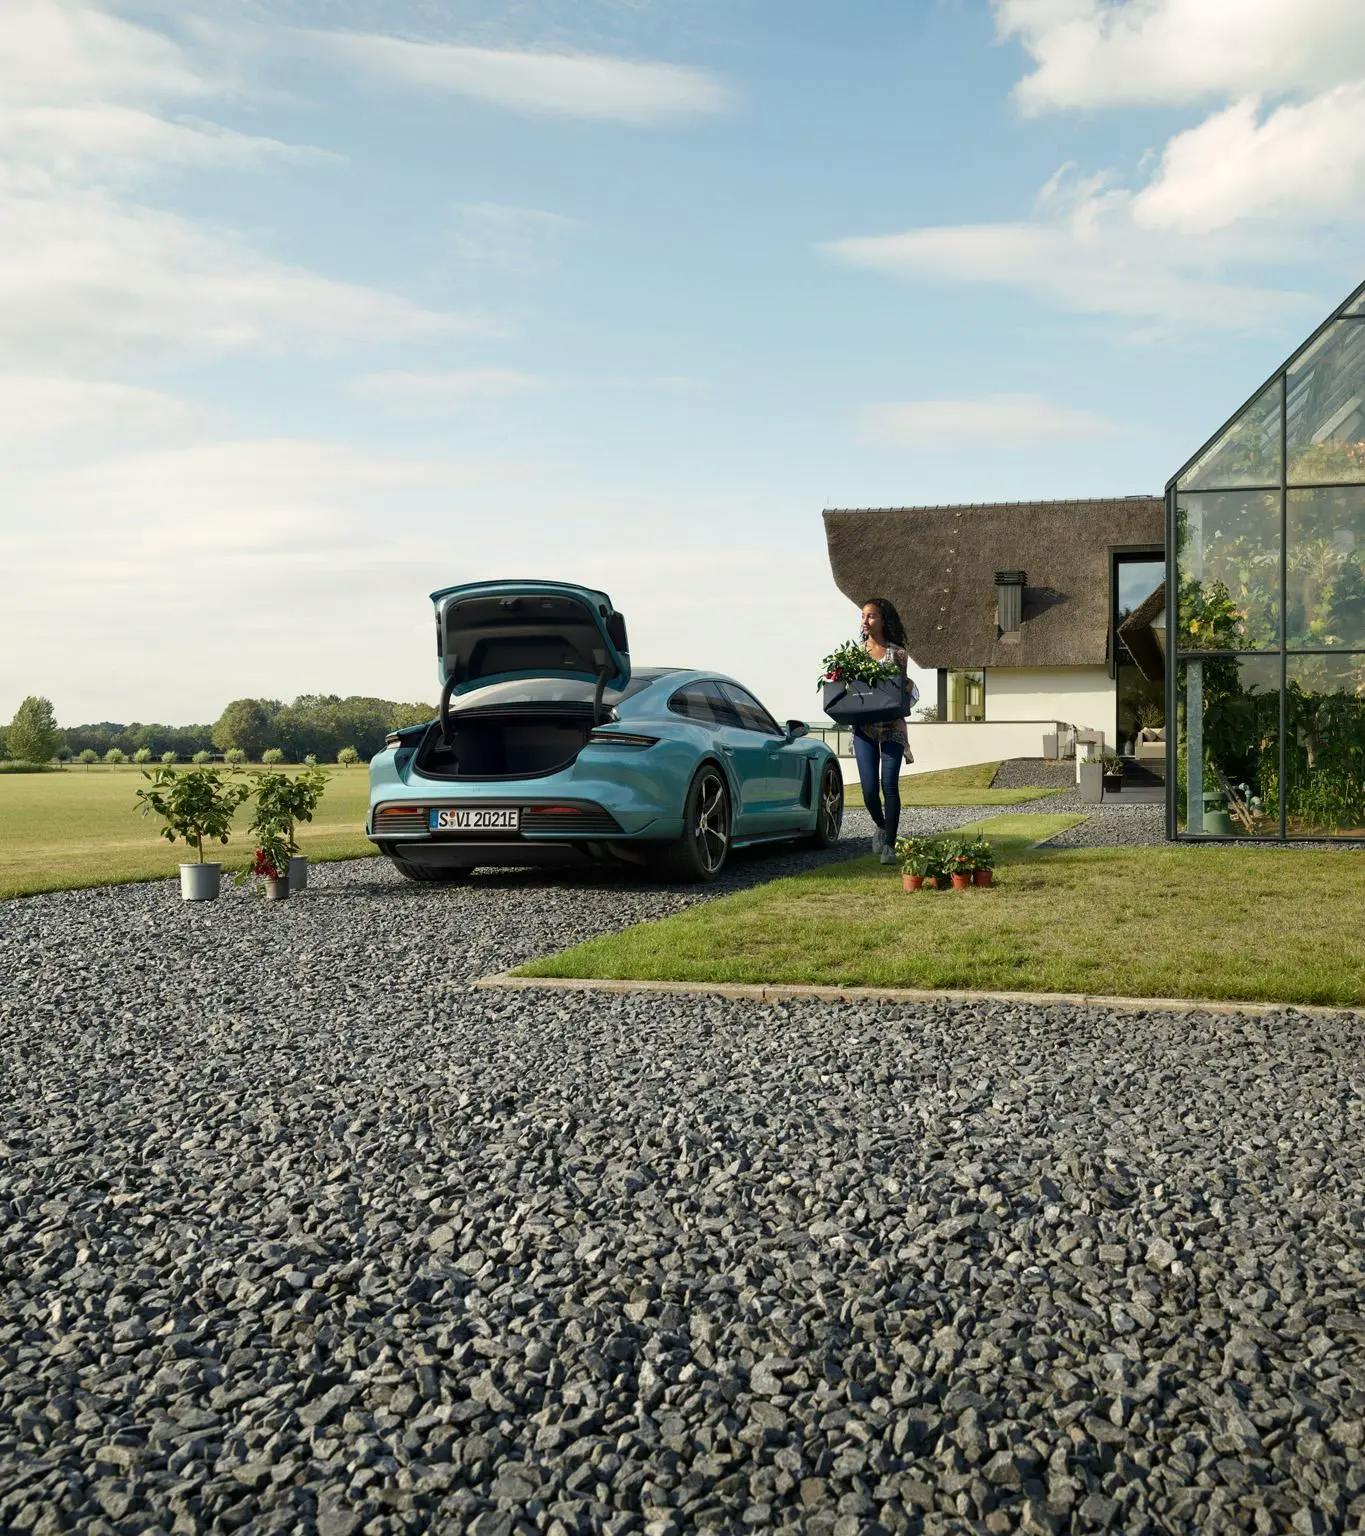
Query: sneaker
<point x="878" y="840"/>
<point x="888" y="857"/>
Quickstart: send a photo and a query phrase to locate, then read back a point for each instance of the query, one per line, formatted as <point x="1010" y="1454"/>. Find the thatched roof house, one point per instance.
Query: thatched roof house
<point x="939" y="565"/>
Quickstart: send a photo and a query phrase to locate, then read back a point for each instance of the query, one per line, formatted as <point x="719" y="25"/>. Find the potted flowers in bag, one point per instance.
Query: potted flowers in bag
<point x="859" y="690"/>
<point x="196" y="806"/>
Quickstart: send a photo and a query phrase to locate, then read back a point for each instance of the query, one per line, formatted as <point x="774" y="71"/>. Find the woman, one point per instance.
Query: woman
<point x="880" y="749"/>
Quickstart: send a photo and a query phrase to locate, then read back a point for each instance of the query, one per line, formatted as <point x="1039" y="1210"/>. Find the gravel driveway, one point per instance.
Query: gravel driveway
<point x="298" y="1232"/>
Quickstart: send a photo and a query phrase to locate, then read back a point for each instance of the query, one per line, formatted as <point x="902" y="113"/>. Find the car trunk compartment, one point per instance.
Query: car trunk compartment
<point x="505" y="745"/>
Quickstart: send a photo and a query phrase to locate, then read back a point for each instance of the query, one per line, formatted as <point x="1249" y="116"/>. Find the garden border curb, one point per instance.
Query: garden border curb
<point x="772" y="992"/>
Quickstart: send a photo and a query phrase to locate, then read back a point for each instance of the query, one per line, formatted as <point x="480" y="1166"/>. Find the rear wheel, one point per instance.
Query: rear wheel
<point x="700" y="853"/>
<point x="829" y="815"/>
<point x="431" y="874"/>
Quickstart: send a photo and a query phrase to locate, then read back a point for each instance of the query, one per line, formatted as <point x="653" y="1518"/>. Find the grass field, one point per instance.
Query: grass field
<point x="961" y="786"/>
<point x="1254" y="924"/>
<point x="83" y="827"/>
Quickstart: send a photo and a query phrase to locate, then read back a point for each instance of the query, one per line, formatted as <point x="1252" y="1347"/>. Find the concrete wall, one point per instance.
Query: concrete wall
<point x="937" y="745"/>
<point x="1083" y="696"/>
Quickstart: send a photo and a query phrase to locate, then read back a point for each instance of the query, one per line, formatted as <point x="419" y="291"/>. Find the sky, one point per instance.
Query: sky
<point x="310" y="307"/>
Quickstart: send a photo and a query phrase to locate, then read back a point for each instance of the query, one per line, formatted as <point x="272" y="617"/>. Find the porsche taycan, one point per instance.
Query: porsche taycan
<point x="548" y="748"/>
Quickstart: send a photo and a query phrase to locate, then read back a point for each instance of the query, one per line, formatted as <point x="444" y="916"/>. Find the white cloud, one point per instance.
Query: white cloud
<point x="581" y="85"/>
<point x="1019" y="418"/>
<point x="1097" y="53"/>
<point x="1300" y="161"/>
<point x="438" y="394"/>
<point x="1083" y="251"/>
<point x="506" y="236"/>
<point x="84" y="277"/>
<point x="79" y="52"/>
<point x="86" y="417"/>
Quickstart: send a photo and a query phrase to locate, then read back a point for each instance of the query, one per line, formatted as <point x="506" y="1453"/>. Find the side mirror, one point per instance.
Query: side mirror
<point x="797" y="728"/>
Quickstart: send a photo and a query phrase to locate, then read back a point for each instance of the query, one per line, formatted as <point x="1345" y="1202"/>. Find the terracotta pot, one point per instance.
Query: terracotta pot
<point x="962" y="882"/>
<point x="982" y="876"/>
<point x="912" y="882"/>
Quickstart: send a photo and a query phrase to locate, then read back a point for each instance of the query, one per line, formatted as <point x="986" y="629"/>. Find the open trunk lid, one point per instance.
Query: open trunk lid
<point x="490" y="631"/>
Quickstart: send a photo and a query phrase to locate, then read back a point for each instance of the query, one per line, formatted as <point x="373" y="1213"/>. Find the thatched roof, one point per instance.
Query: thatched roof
<point x="938" y="565"/>
<point x="1146" y="642"/>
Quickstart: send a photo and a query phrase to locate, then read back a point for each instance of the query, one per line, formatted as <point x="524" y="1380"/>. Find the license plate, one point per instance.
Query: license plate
<point x="460" y="818"/>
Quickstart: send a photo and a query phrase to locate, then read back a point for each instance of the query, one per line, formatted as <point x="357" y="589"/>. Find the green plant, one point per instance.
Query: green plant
<point x="285" y="800"/>
<point x="1113" y="763"/>
<point x="311" y="759"/>
<point x="1151" y="716"/>
<point x="852" y="663"/>
<point x="194" y="806"/>
<point x="89" y="756"/>
<point x="168" y="757"/>
<point x="270" y="861"/>
<point x="983" y="855"/>
<point x="958" y="858"/>
<point x="202" y="756"/>
<point x="115" y="755"/>
<point x="32" y="735"/>
<point x="928" y="713"/>
<point x="918" y="855"/>
<point x="142" y="755"/>
<point x="272" y="755"/>
<point x="235" y="755"/>
<point x="348" y="756"/>
<point x="20" y="767"/>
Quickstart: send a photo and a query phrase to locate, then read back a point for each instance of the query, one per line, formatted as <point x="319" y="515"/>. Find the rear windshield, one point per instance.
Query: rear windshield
<point x="542" y="690"/>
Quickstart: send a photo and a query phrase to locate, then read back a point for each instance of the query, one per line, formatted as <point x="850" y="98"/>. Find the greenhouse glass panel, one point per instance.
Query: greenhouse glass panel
<point x="1325" y="746"/>
<point x="1246" y="452"/>
<point x="1228" y="747"/>
<point x="1358" y="308"/>
<point x="1325" y="582"/>
<point x="1325" y="408"/>
<point x="1228" y="569"/>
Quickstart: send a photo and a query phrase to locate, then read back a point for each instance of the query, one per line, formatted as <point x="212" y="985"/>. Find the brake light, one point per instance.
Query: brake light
<point x="620" y="739"/>
<point x="559" y="810"/>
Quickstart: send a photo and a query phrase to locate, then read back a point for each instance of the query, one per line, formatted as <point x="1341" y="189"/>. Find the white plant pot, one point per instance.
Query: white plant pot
<point x="200" y="882"/>
<point x="277" y="890"/>
<point x="298" y="872"/>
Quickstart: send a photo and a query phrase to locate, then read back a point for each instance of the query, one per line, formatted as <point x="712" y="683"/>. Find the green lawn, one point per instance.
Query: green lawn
<point x="83" y="827"/>
<point x="962" y="786"/>
<point x="1271" y="925"/>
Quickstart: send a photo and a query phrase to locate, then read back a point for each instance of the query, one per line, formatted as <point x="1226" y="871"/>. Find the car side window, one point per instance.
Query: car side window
<point x="752" y="715"/>
<point x="695" y="702"/>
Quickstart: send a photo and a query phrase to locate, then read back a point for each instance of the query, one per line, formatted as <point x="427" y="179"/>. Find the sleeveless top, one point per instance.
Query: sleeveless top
<point x="892" y="730"/>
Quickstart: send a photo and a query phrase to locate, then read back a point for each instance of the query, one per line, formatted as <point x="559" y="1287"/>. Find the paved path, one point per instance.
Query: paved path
<point x="298" y="1232"/>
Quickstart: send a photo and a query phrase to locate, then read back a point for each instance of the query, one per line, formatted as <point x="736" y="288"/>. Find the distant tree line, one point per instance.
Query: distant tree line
<point x="315" y="724"/>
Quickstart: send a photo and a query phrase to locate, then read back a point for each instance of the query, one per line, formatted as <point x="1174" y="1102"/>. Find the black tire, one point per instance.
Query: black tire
<point x="431" y="874"/>
<point x="829" y="812"/>
<point x="700" y="854"/>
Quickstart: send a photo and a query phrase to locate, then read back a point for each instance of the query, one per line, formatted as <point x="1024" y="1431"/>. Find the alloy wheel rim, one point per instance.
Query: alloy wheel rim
<point x="712" y="833"/>
<point x="832" y="804"/>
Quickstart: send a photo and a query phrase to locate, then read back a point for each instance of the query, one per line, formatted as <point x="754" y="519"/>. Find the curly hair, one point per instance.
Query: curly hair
<point x="892" y="627"/>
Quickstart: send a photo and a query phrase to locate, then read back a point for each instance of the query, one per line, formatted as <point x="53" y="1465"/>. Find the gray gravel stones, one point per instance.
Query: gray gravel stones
<point x="1113" y="825"/>
<point x="299" y="1233"/>
<point x="1034" y="772"/>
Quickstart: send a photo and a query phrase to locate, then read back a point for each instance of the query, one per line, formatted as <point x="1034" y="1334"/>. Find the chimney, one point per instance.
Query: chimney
<point x="1009" y="603"/>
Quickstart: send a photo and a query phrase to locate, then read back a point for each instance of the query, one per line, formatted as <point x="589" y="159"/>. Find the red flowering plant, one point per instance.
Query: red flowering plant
<point x="270" y="861"/>
<point x="851" y="663"/>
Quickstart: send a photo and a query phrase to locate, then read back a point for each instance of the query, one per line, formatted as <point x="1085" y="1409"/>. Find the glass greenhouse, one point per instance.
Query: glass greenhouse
<point x="1265" y="551"/>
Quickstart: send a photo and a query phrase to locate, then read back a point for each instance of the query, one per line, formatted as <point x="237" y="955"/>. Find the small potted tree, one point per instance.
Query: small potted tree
<point x="287" y="800"/>
<point x="194" y="806"/>
<point x="1111" y="765"/>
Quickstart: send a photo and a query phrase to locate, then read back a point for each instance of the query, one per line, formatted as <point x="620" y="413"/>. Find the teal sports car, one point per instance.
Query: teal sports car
<point x="549" y="748"/>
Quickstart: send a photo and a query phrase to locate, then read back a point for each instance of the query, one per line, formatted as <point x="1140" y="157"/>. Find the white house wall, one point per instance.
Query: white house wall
<point x="939" y="745"/>
<point x="1081" y="696"/>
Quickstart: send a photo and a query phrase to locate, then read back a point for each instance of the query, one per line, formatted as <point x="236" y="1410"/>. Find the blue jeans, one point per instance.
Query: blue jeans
<point x="880" y="760"/>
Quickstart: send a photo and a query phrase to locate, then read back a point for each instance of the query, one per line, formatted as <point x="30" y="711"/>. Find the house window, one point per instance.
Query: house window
<point x="966" y="697"/>
<point x="1140" y="690"/>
